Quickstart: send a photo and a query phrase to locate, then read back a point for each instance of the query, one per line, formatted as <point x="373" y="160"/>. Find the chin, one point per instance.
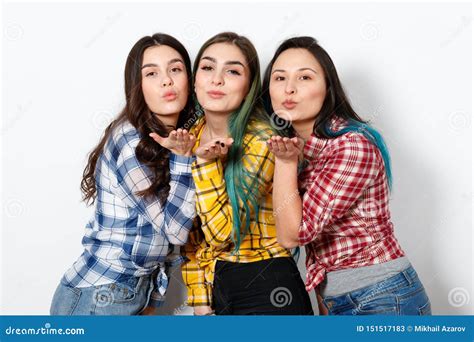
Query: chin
<point x="170" y="109"/>
<point x="214" y="108"/>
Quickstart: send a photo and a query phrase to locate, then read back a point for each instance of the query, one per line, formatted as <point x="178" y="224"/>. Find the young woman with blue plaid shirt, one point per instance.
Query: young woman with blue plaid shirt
<point x="144" y="192"/>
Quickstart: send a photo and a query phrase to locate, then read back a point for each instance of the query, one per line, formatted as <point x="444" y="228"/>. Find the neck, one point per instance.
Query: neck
<point x="304" y="128"/>
<point x="169" y="120"/>
<point x="217" y="123"/>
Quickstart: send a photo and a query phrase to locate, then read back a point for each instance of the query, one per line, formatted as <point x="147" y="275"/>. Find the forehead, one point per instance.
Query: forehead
<point x="295" y="59"/>
<point x="223" y="52"/>
<point x="160" y="54"/>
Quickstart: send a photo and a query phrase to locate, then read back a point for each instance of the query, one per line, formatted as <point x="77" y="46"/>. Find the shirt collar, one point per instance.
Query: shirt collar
<point x="314" y="145"/>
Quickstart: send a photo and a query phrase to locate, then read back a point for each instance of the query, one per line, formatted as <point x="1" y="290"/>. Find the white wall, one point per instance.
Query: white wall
<point x="406" y="67"/>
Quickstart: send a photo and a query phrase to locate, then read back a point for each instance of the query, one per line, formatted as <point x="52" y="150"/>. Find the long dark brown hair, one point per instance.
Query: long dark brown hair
<point x="335" y="105"/>
<point x="136" y="111"/>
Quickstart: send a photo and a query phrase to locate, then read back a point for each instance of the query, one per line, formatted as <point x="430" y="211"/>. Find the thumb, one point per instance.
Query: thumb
<point x="159" y="139"/>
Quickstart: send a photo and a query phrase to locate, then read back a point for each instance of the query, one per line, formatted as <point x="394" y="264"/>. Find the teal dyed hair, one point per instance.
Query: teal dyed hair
<point x="372" y="135"/>
<point x="241" y="185"/>
<point x="335" y="105"/>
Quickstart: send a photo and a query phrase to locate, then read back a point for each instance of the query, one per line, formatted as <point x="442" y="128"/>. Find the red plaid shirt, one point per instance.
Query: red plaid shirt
<point x="346" y="219"/>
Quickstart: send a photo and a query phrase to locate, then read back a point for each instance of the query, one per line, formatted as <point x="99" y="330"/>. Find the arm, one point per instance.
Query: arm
<point x="352" y="167"/>
<point x="287" y="204"/>
<point x="199" y="291"/>
<point x="174" y="219"/>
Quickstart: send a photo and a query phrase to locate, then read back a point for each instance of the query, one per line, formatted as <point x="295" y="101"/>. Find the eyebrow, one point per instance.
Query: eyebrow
<point x="226" y="63"/>
<point x="171" y="61"/>
<point x="301" y="69"/>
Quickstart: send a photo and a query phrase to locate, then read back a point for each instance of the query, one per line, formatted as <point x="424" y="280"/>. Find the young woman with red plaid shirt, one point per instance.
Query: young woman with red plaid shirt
<point x="341" y="167"/>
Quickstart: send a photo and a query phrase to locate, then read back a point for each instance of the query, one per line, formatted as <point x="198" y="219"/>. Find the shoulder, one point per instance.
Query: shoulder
<point x="353" y="147"/>
<point x="122" y="142"/>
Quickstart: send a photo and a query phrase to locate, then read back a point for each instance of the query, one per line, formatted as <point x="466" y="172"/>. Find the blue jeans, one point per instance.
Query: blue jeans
<point x="128" y="298"/>
<point x="402" y="294"/>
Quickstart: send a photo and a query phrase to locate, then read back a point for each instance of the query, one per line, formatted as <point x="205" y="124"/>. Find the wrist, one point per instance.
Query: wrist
<point x="201" y="160"/>
<point x="292" y="162"/>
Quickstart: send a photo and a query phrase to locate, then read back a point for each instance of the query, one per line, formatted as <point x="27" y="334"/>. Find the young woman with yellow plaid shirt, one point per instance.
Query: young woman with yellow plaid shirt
<point x="235" y="265"/>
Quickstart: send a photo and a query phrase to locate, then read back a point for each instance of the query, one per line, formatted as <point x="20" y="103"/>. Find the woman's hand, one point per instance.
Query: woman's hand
<point x="285" y="149"/>
<point x="203" y="311"/>
<point x="214" y="149"/>
<point x="179" y="141"/>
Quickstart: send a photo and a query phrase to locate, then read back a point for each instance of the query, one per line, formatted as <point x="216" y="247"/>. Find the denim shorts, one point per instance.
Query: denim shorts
<point x="127" y="298"/>
<point x="401" y="294"/>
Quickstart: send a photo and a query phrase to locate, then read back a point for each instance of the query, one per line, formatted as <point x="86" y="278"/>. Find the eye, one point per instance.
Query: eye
<point x="305" y="77"/>
<point x="176" y="70"/>
<point x="279" y="78"/>
<point x="206" y="68"/>
<point x="233" y="72"/>
<point x="151" y="74"/>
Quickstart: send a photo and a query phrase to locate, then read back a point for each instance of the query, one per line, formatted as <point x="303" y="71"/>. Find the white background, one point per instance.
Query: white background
<point x="406" y="67"/>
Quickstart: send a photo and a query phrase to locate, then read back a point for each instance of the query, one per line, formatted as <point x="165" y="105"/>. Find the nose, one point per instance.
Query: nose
<point x="166" y="81"/>
<point x="290" y="88"/>
<point x="217" y="79"/>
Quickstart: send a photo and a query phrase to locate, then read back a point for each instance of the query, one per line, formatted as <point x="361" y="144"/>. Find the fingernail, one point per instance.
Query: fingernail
<point x="222" y="144"/>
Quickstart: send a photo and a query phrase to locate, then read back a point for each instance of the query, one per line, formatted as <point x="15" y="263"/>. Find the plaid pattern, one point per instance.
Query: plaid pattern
<point x="210" y="239"/>
<point x="346" y="219"/>
<point x="130" y="236"/>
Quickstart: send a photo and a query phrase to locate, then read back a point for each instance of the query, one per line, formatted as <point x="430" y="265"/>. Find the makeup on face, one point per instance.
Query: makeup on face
<point x="297" y="85"/>
<point x="222" y="78"/>
<point x="164" y="80"/>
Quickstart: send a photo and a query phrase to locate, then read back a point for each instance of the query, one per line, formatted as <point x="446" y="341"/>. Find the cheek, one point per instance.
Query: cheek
<point x="314" y="99"/>
<point x="148" y="93"/>
<point x="316" y="94"/>
<point x="199" y="89"/>
<point x="182" y="84"/>
<point x="200" y="81"/>
<point x="275" y="93"/>
<point x="240" y="89"/>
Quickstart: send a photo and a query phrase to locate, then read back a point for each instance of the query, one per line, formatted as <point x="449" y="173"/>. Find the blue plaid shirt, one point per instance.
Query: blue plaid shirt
<point x="130" y="236"/>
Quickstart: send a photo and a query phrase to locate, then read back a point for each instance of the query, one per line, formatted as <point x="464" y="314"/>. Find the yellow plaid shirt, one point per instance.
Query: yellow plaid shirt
<point x="211" y="237"/>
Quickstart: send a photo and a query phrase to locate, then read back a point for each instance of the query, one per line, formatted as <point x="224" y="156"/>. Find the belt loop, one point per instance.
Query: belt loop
<point x="407" y="276"/>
